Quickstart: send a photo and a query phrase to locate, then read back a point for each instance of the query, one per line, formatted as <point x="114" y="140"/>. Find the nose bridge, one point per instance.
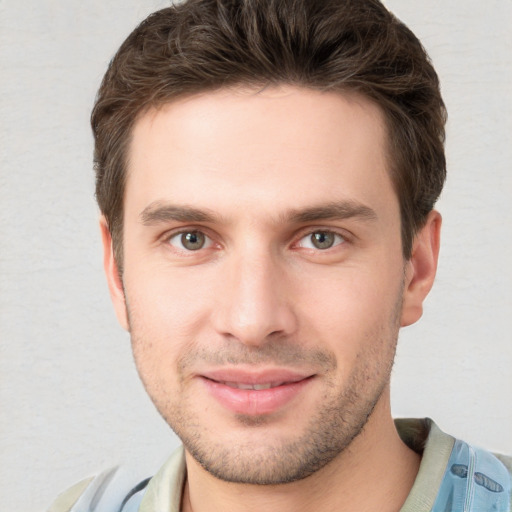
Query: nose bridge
<point x="254" y="303"/>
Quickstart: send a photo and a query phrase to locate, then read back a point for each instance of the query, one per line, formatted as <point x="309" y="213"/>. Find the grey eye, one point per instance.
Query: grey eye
<point x="323" y="239"/>
<point x="193" y="241"/>
<point x="190" y="241"/>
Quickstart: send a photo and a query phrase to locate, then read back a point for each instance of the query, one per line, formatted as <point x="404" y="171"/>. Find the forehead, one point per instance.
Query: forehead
<point x="260" y="149"/>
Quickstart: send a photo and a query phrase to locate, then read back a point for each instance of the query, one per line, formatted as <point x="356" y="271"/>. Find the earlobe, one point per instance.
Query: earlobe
<point x="115" y="284"/>
<point x="421" y="269"/>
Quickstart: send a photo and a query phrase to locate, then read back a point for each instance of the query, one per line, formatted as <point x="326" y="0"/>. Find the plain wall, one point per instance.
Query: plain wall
<point x="70" y="400"/>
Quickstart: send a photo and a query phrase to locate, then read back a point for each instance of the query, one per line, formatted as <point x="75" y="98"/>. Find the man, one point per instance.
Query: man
<point x="267" y="173"/>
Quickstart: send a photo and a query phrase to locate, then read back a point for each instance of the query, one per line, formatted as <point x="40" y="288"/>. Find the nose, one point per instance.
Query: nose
<point x="253" y="304"/>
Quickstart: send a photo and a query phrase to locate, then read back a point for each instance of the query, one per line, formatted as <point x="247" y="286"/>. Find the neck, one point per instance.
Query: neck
<point x="375" y="472"/>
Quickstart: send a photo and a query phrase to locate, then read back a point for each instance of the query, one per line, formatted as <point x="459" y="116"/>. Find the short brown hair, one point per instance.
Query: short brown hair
<point x="326" y="45"/>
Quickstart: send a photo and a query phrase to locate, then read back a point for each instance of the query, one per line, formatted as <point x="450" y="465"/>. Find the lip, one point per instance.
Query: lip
<point x="232" y="389"/>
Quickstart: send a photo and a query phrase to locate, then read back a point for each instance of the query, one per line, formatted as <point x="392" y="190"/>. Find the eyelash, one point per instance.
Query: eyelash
<point x="191" y="231"/>
<point x="340" y="239"/>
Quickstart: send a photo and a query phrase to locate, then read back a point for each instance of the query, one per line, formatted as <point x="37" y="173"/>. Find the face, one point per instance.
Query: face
<point x="264" y="283"/>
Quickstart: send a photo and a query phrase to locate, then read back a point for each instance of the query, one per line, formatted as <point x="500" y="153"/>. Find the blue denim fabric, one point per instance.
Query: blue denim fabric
<point x="474" y="481"/>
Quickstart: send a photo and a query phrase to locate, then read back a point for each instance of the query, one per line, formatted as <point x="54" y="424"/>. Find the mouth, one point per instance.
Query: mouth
<point x="256" y="393"/>
<point x="256" y="387"/>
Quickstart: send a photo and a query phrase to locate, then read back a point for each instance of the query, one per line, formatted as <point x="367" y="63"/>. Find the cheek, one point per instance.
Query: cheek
<point x="166" y="318"/>
<point x="351" y="310"/>
<point x="168" y="303"/>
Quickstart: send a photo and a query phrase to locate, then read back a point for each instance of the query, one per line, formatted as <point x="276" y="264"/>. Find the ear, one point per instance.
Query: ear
<point x="421" y="268"/>
<point x="115" y="283"/>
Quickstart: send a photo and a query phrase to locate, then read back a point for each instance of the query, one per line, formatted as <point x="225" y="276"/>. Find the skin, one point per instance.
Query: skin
<point x="257" y="173"/>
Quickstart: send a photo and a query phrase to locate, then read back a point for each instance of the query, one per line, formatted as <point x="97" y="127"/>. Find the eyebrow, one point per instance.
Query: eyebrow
<point x="158" y="212"/>
<point x="334" y="211"/>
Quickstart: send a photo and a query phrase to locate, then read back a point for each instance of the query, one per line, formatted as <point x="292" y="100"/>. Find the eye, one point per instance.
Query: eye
<point x="190" y="241"/>
<point x="321" y="240"/>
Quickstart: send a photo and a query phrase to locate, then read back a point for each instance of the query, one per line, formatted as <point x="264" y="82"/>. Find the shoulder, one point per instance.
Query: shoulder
<point x="109" y="491"/>
<point x="65" y="501"/>
<point x="453" y="472"/>
<point x="506" y="461"/>
<point x="123" y="490"/>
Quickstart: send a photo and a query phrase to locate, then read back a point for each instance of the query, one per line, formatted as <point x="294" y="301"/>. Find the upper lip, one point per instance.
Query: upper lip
<point x="254" y="377"/>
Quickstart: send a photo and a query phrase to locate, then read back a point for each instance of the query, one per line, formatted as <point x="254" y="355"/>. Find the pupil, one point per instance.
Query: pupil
<point x="322" y="240"/>
<point x="192" y="241"/>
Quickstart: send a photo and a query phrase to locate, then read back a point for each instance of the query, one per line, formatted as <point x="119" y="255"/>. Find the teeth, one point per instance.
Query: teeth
<point x="262" y="386"/>
<point x="256" y="387"/>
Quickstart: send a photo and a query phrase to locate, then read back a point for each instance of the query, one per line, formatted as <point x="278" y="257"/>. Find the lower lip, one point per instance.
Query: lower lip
<point x="255" y="402"/>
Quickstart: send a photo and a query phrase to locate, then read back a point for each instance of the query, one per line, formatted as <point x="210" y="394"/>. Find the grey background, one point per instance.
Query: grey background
<point x="70" y="400"/>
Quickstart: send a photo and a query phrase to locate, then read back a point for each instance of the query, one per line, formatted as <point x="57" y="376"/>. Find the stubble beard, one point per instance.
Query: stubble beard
<point x="329" y="431"/>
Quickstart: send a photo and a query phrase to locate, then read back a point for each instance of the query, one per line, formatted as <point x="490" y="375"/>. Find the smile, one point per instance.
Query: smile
<point x="260" y="393"/>
<point x="256" y="387"/>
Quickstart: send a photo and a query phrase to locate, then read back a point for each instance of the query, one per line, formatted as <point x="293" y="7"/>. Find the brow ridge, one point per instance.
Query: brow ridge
<point x="159" y="211"/>
<point x="334" y="211"/>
